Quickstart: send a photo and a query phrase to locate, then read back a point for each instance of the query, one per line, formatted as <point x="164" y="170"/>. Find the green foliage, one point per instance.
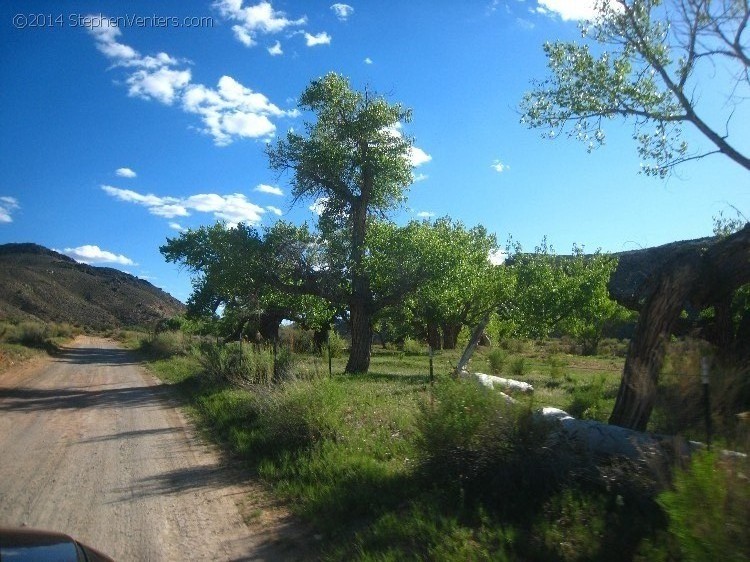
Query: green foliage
<point x="163" y="344"/>
<point x="459" y="284"/>
<point x="518" y="367"/>
<point x="588" y="401"/>
<point x="413" y="347"/>
<point x="234" y="363"/>
<point x="478" y="448"/>
<point x="497" y="359"/>
<point x="709" y="509"/>
<point x="647" y="72"/>
<point x="567" y="294"/>
<point x="36" y="334"/>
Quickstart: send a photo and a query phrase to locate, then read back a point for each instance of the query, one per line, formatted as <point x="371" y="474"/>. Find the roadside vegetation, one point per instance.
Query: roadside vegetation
<point x="20" y="341"/>
<point x="392" y="465"/>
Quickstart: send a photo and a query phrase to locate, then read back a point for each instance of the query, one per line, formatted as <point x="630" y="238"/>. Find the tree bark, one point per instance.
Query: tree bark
<point x="450" y="335"/>
<point x="637" y="393"/>
<point x="361" y="297"/>
<point x="359" y="354"/>
<point x="699" y="276"/>
<point x="433" y="336"/>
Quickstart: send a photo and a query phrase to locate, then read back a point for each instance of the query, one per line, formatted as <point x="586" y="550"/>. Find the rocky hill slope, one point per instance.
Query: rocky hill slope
<point x="39" y="284"/>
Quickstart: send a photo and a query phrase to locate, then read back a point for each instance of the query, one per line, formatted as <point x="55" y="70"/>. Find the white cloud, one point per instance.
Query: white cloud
<point x="275" y="210"/>
<point x="499" y="167"/>
<point x="569" y="9"/>
<point x="275" y="50"/>
<point x="321" y="38"/>
<point x="232" y="110"/>
<point x="525" y="24"/>
<point x="163" y="84"/>
<point x="263" y="188"/>
<point x="497" y="257"/>
<point x="420" y="177"/>
<point x="342" y="11"/>
<point x="7" y="206"/>
<point x="233" y="209"/>
<point x="176" y="226"/>
<point x="425" y="214"/>
<point x="253" y="20"/>
<point x="229" y="111"/>
<point x="318" y="205"/>
<point x="368" y="60"/>
<point x="418" y="156"/>
<point x="125" y="173"/>
<point x="93" y="254"/>
<point x="243" y="36"/>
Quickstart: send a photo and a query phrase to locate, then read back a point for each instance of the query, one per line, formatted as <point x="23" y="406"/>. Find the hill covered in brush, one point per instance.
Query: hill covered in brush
<point x="37" y="283"/>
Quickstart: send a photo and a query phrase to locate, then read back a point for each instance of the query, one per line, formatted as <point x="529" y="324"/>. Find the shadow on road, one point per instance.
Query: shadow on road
<point x="96" y="356"/>
<point x="37" y="399"/>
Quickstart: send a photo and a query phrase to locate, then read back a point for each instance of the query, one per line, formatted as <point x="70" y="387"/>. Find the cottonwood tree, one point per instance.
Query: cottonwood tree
<point x="656" y="61"/>
<point x="463" y="286"/>
<point x="564" y="294"/>
<point x="259" y="277"/>
<point x="657" y="58"/>
<point x="355" y="164"/>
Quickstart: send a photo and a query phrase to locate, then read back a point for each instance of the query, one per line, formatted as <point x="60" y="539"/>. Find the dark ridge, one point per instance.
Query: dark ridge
<point x="37" y="283"/>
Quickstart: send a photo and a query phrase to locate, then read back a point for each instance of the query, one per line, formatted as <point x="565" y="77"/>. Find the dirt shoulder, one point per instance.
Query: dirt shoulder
<point x="93" y="446"/>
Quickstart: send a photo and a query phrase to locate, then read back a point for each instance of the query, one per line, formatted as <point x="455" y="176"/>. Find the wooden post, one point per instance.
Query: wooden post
<point x="432" y="374"/>
<point x="705" y="370"/>
<point x="330" y="359"/>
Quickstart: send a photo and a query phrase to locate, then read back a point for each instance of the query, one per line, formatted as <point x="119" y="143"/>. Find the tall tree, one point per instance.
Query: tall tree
<point x="259" y="277"/>
<point x="655" y="58"/>
<point x="355" y="164"/>
<point x="565" y="294"/>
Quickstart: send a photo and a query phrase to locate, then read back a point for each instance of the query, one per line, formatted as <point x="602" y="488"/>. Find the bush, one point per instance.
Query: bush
<point x="163" y="345"/>
<point x="472" y="443"/>
<point x="412" y="347"/>
<point x="709" y="510"/>
<point x="518" y="367"/>
<point x="497" y="359"/>
<point x="335" y="344"/>
<point x="244" y="364"/>
<point x="588" y="400"/>
<point x="555" y="367"/>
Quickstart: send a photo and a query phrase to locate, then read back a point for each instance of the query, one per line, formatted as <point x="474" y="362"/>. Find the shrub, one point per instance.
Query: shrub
<point x="412" y="347"/>
<point x="335" y="344"/>
<point x="234" y="363"/>
<point x="588" y="400"/>
<point x="555" y="367"/>
<point x="518" y="367"/>
<point x="163" y="345"/>
<point x="472" y="443"/>
<point x="709" y="510"/>
<point x="30" y="334"/>
<point x="497" y="359"/>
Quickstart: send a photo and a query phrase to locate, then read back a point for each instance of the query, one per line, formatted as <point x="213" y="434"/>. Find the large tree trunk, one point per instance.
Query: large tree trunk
<point x="637" y="393"/>
<point x="359" y="354"/>
<point x="450" y="335"/>
<point x="702" y="275"/>
<point x="361" y="297"/>
<point x="433" y="336"/>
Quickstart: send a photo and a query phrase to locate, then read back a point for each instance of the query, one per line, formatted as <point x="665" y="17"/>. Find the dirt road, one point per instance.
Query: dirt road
<point x="91" y="445"/>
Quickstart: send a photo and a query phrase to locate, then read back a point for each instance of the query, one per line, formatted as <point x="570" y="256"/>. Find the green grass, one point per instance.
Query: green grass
<point x="386" y="466"/>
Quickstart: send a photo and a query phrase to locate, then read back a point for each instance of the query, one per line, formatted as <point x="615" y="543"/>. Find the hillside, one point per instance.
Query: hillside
<point x="39" y="284"/>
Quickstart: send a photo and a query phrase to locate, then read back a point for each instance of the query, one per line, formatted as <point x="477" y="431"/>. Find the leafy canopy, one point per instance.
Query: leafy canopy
<point x="655" y="56"/>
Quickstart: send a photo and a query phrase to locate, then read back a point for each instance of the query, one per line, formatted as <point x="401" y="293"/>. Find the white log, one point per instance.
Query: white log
<point x="491" y="381"/>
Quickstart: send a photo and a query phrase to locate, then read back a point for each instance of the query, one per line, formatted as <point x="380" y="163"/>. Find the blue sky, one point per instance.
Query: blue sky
<point x="114" y="137"/>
